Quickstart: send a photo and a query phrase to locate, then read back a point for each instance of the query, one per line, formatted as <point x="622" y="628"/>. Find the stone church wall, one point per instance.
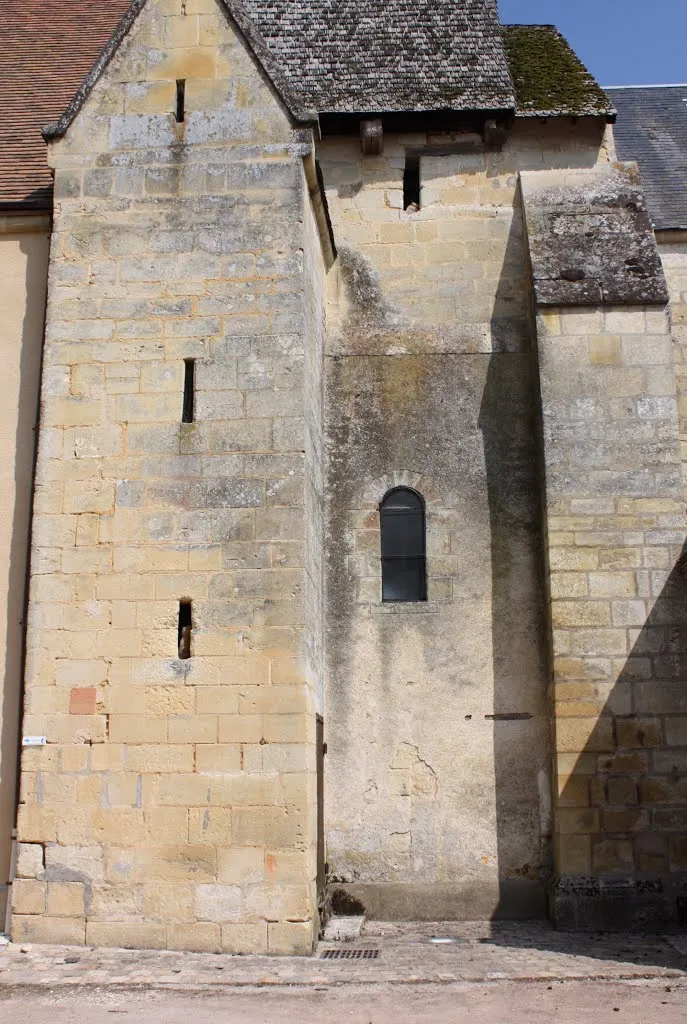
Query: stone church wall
<point x="174" y="801"/>
<point x="24" y="246"/>
<point x="615" y="538"/>
<point x="173" y="804"/>
<point x="438" y="727"/>
<point x="672" y="246"/>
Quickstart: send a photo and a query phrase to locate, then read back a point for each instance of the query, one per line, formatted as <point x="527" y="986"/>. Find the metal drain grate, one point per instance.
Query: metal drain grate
<point x="349" y="954"/>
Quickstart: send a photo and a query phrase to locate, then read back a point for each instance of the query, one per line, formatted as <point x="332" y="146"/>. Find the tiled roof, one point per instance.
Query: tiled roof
<point x="549" y="78"/>
<point x="345" y="56"/>
<point x="46" y="49"/>
<point x="324" y="56"/>
<point x="353" y="56"/>
<point x="652" y="129"/>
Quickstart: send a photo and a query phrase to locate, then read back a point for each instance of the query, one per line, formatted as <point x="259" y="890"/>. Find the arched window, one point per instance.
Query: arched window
<point x="404" y="568"/>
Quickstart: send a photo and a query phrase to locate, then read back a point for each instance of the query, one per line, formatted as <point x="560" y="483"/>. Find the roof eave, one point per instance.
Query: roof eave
<point x="26" y="206"/>
<point x="609" y="115"/>
<point x="352" y="111"/>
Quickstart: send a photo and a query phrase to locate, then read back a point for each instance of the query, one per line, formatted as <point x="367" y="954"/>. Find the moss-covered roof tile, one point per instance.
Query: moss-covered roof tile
<point x="549" y="78"/>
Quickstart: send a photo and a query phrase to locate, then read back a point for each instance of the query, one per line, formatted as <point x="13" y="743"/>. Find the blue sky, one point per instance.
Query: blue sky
<point x="622" y="42"/>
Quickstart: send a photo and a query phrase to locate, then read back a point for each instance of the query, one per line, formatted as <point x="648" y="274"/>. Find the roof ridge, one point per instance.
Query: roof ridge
<point x="665" y="85"/>
<point x="532" y="24"/>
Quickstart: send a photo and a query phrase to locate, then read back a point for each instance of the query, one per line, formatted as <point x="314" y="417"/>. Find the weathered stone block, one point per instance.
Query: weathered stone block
<point x="198" y="937"/>
<point x="248" y="938"/>
<point x="676" y="731"/>
<point x="574" y="855"/>
<point x="639" y="732"/>
<point x="238" y="866"/>
<point x="28" y="896"/>
<point x="290" y="939"/>
<point x="219" y="903"/>
<point x="192" y="729"/>
<point x="605" y="350"/>
<point x="210" y="826"/>
<point x="66" y="899"/>
<point x="267" y="826"/>
<point x="125" y="934"/>
<point x="224" y="757"/>
<point x="56" y="930"/>
<point x="29" y="860"/>
<point x="581" y="613"/>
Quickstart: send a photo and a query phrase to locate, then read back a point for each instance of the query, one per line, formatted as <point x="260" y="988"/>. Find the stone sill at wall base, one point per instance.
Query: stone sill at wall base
<point x="583" y="904"/>
<point x="513" y="899"/>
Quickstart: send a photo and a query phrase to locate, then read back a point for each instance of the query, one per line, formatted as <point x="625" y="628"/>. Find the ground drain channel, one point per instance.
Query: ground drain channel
<point x="349" y="954"/>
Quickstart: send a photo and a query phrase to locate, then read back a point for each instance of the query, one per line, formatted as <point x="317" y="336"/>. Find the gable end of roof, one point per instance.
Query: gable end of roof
<point x="56" y="129"/>
<point x="236" y="10"/>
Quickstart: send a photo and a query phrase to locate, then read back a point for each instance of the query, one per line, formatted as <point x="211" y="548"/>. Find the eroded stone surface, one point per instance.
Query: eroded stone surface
<point x="591" y="241"/>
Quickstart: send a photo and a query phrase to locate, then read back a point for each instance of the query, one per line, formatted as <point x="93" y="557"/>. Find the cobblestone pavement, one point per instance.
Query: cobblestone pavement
<point x="406" y="955"/>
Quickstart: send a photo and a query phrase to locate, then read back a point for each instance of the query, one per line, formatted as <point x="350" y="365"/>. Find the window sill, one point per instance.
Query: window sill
<point x="407" y="607"/>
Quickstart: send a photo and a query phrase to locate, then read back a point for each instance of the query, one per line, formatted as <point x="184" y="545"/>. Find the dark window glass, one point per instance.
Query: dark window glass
<point x="404" y="571"/>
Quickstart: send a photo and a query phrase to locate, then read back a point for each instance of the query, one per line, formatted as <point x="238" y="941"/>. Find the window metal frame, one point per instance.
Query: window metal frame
<point x="420" y="558"/>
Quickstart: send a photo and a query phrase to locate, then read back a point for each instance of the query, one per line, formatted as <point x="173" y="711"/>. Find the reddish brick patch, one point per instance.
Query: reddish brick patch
<point x="82" y="701"/>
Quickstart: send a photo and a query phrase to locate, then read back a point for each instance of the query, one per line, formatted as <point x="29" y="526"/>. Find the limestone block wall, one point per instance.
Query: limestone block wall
<point x="438" y="767"/>
<point x="314" y="271"/>
<point x="174" y="802"/>
<point x="672" y="246"/>
<point x="24" y="243"/>
<point x="615" y="531"/>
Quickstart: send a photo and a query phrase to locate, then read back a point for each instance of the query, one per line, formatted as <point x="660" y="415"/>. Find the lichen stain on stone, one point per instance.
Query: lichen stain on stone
<point x="371" y="325"/>
<point x="403" y="386"/>
<point x="368" y="309"/>
<point x="593" y="243"/>
<point x="547" y="74"/>
<point x="189" y="438"/>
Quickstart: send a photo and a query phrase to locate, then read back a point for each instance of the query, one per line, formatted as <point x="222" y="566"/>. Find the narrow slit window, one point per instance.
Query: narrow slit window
<point x="185" y="628"/>
<point x="188" y="413"/>
<point x="411" y="183"/>
<point x="404" y="546"/>
<point x="181" y="100"/>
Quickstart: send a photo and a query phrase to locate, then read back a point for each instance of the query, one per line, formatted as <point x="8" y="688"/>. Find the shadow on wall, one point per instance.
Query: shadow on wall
<point x="623" y="812"/>
<point x="508" y="422"/>
<point x="34" y="249"/>
<point x="623" y="816"/>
